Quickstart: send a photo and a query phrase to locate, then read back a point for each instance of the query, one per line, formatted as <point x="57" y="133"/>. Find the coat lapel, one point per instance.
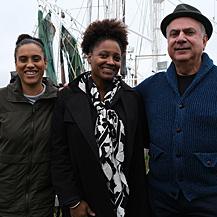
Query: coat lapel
<point x="79" y="107"/>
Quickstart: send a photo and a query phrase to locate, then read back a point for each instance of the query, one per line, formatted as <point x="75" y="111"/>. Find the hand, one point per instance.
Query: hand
<point x="65" y="85"/>
<point x="82" y="210"/>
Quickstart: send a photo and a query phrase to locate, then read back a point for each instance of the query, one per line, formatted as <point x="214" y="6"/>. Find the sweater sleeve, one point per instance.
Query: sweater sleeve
<point x="143" y="119"/>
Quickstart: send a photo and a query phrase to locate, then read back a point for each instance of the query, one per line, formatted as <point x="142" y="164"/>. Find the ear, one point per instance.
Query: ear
<point x="45" y="67"/>
<point x="89" y="58"/>
<point x="205" y="39"/>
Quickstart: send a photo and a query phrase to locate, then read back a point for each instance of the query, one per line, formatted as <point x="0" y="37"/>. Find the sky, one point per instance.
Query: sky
<point x="20" y="16"/>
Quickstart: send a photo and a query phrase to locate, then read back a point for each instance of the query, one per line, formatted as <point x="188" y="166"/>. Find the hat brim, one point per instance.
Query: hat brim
<point x="199" y="17"/>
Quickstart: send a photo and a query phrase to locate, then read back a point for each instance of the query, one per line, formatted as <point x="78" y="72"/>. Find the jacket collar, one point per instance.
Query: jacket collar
<point x="15" y="92"/>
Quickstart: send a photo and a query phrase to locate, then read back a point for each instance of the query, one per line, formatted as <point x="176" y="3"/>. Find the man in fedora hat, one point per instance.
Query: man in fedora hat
<point x="181" y="109"/>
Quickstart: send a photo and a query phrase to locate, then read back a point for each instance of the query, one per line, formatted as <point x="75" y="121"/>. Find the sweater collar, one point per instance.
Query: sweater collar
<point x="205" y="67"/>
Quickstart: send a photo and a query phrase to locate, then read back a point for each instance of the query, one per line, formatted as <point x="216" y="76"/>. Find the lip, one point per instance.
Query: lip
<point x="182" y="48"/>
<point x="108" y="70"/>
<point x="30" y="73"/>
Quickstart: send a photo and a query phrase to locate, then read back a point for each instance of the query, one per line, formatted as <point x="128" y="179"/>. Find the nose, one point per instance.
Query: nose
<point x="30" y="64"/>
<point x="181" y="37"/>
<point x="110" y="61"/>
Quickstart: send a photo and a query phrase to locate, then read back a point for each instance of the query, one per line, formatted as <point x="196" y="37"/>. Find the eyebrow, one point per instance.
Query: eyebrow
<point x="185" y="29"/>
<point x="22" y="56"/>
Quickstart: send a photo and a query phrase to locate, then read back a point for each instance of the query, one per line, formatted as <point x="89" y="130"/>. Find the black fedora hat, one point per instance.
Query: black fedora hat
<point x="185" y="10"/>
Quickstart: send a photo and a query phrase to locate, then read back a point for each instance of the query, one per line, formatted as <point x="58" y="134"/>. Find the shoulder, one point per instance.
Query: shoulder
<point x="128" y="90"/>
<point x="148" y="82"/>
<point x="71" y="90"/>
<point x="49" y="83"/>
<point x="3" y="94"/>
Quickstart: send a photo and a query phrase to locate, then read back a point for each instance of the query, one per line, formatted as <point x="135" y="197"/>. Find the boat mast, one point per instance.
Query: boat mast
<point x="123" y="70"/>
<point x="89" y="16"/>
<point x="156" y="36"/>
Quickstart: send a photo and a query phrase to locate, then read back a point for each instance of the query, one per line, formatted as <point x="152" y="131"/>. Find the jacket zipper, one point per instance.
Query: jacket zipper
<point x="29" y="163"/>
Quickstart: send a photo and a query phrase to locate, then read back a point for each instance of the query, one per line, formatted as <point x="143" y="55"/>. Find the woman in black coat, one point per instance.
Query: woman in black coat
<point x="98" y="163"/>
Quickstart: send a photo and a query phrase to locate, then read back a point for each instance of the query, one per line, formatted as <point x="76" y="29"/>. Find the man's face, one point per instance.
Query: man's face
<point x="185" y="40"/>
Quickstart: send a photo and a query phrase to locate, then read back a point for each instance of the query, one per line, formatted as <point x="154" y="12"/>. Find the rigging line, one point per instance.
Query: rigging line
<point x="150" y="40"/>
<point x="80" y="30"/>
<point x="61" y="22"/>
<point x="51" y="6"/>
<point x="138" y="38"/>
<point x="67" y="57"/>
<point x="171" y="2"/>
<point x="180" y="1"/>
<point x="80" y="10"/>
<point x="64" y="23"/>
<point x="36" y="23"/>
<point x="142" y="16"/>
<point x="135" y="14"/>
<point x="75" y="51"/>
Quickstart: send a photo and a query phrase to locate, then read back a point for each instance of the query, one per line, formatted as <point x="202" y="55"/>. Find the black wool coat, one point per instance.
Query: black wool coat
<point x="76" y="170"/>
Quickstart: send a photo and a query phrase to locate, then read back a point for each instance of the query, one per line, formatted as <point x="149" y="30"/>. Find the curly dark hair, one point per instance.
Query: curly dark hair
<point x="27" y="39"/>
<point x="99" y="31"/>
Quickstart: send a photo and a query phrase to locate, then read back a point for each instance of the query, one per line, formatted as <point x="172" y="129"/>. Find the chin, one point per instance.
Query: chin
<point x="182" y="58"/>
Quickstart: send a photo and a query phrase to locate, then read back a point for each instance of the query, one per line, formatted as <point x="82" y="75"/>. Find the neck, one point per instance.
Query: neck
<point x="32" y="90"/>
<point x="186" y="69"/>
<point x="102" y="89"/>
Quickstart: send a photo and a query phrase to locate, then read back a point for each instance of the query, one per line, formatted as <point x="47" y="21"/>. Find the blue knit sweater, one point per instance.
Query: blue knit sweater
<point x="183" y="132"/>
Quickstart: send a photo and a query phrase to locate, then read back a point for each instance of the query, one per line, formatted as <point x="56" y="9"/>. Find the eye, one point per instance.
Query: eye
<point x="23" y="59"/>
<point x="36" y="58"/>
<point x="117" y="58"/>
<point x="190" y="32"/>
<point x="174" y="33"/>
<point x="103" y="55"/>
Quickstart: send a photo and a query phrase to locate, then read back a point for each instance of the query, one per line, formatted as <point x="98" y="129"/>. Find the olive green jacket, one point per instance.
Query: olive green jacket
<point x="25" y="152"/>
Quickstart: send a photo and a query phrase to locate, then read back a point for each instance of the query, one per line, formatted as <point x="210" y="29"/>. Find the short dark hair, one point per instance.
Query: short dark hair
<point x="27" y="39"/>
<point x="106" y="29"/>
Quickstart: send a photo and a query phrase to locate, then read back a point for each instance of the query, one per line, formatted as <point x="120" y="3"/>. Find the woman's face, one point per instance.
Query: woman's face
<point x="30" y="64"/>
<point x="105" y="61"/>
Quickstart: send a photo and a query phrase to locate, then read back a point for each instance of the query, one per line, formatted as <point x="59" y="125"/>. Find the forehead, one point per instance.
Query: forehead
<point x="183" y="23"/>
<point x="108" y="45"/>
<point x="29" y="49"/>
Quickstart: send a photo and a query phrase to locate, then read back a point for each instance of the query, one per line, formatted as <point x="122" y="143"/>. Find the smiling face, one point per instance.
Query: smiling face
<point x="105" y="61"/>
<point x="185" y="40"/>
<point x="30" y="65"/>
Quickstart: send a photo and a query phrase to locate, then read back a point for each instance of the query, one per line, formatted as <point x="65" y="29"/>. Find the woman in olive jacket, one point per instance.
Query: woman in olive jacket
<point x="25" y="135"/>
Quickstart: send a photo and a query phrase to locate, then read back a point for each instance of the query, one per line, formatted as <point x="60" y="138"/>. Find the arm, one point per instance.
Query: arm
<point x="144" y="123"/>
<point x="63" y="176"/>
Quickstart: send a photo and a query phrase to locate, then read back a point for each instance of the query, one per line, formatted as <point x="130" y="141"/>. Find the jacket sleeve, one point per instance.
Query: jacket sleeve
<point x="144" y="123"/>
<point x="63" y="177"/>
<point x="138" y="204"/>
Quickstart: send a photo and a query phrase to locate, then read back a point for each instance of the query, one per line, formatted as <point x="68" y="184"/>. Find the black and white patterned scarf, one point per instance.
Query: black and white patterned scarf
<point x="110" y="137"/>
